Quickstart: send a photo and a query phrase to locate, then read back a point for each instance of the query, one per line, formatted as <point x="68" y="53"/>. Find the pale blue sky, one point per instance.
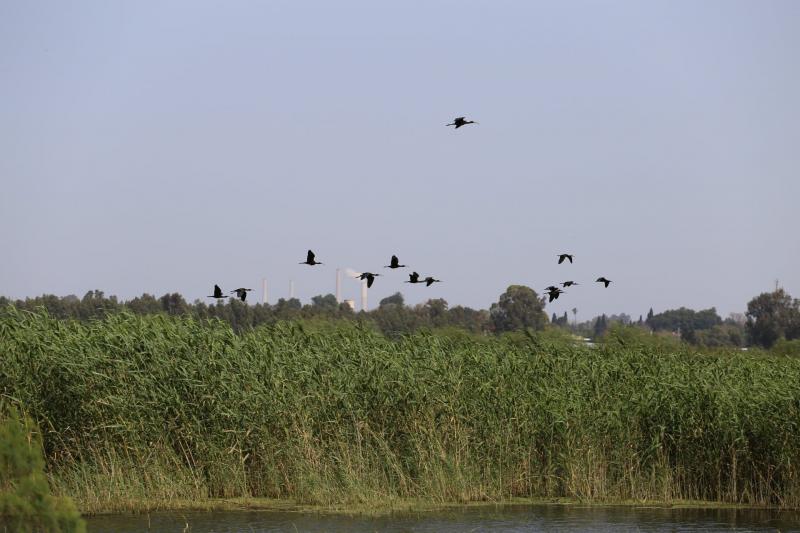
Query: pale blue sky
<point x="168" y="146"/>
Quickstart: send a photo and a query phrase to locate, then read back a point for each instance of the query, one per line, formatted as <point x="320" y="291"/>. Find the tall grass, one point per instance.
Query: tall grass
<point x="156" y="408"/>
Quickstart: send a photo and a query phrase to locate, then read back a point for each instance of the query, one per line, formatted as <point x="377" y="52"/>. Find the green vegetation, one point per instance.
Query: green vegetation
<point x="518" y="308"/>
<point x="684" y="319"/>
<point x="771" y="317"/>
<point x="26" y="504"/>
<point x="160" y="408"/>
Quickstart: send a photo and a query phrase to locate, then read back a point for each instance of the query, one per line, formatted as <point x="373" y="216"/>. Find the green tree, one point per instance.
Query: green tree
<point x="287" y="309"/>
<point x="518" y="308"/>
<point x="771" y="316"/>
<point x="95" y="305"/>
<point x="721" y="336"/>
<point x="325" y="303"/>
<point x="174" y="304"/>
<point x="146" y="304"/>
<point x="474" y="320"/>
<point x="684" y="320"/>
<point x="600" y="326"/>
<point x="239" y="313"/>
<point x="395" y="320"/>
<point x="435" y="312"/>
<point x="394" y="299"/>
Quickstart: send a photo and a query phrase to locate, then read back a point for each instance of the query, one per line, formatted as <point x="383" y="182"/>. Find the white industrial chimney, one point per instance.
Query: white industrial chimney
<point x="338" y="286"/>
<point x="364" y="295"/>
<point x="291" y="290"/>
<point x="264" y="290"/>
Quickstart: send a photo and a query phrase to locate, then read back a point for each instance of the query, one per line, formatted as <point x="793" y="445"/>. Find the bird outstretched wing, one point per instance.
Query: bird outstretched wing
<point x="310" y="257"/>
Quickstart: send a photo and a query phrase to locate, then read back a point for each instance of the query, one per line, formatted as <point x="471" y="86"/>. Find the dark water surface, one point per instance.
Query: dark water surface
<point x="514" y="518"/>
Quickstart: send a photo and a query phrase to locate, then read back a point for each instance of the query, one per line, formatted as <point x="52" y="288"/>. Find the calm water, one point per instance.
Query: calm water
<point x="504" y="519"/>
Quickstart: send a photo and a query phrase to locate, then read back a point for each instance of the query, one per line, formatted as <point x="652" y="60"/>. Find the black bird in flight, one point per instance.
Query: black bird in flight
<point x="604" y="281"/>
<point x="241" y="293"/>
<point x="554" y="294"/>
<point x="217" y="293"/>
<point x="369" y="276"/>
<point x="569" y="283"/>
<point x="561" y="258"/>
<point x="413" y="278"/>
<point x="430" y="281"/>
<point x="310" y="260"/>
<point x="460" y="121"/>
<point x="394" y="263"/>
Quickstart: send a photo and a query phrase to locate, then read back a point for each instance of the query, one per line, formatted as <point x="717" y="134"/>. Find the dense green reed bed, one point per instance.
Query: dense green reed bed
<point x="155" y="408"/>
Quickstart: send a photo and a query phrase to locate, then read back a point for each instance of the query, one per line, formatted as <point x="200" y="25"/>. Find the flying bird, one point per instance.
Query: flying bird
<point x="430" y="281"/>
<point x="310" y="260"/>
<point x="413" y="278"/>
<point x="394" y="263"/>
<point x="460" y="121"/>
<point x="604" y="281"/>
<point x="555" y="294"/>
<point x="561" y="258"/>
<point x="369" y="276"/>
<point x="569" y="283"/>
<point x="217" y="293"/>
<point x="241" y="293"/>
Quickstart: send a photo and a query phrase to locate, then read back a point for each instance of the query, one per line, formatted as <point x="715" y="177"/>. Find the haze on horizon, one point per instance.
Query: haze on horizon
<point x="167" y="146"/>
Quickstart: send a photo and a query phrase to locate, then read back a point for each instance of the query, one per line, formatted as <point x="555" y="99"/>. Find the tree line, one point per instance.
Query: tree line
<point x="771" y="318"/>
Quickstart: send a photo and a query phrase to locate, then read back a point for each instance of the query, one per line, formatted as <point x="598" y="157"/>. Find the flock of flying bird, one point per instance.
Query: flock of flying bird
<point x="552" y="291"/>
<point x="311" y="260"/>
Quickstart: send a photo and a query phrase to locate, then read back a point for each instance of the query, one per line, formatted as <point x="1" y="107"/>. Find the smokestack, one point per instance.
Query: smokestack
<point x="364" y="295"/>
<point x="291" y="290"/>
<point x="338" y="286"/>
<point x="264" y="290"/>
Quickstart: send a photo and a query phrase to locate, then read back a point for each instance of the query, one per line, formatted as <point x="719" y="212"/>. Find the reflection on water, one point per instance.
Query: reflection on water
<point x="505" y="519"/>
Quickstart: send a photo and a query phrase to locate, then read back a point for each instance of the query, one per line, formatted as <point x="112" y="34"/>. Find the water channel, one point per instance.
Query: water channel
<point x="513" y="518"/>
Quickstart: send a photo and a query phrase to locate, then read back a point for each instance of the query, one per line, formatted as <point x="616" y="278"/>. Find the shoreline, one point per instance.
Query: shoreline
<point x="406" y="506"/>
